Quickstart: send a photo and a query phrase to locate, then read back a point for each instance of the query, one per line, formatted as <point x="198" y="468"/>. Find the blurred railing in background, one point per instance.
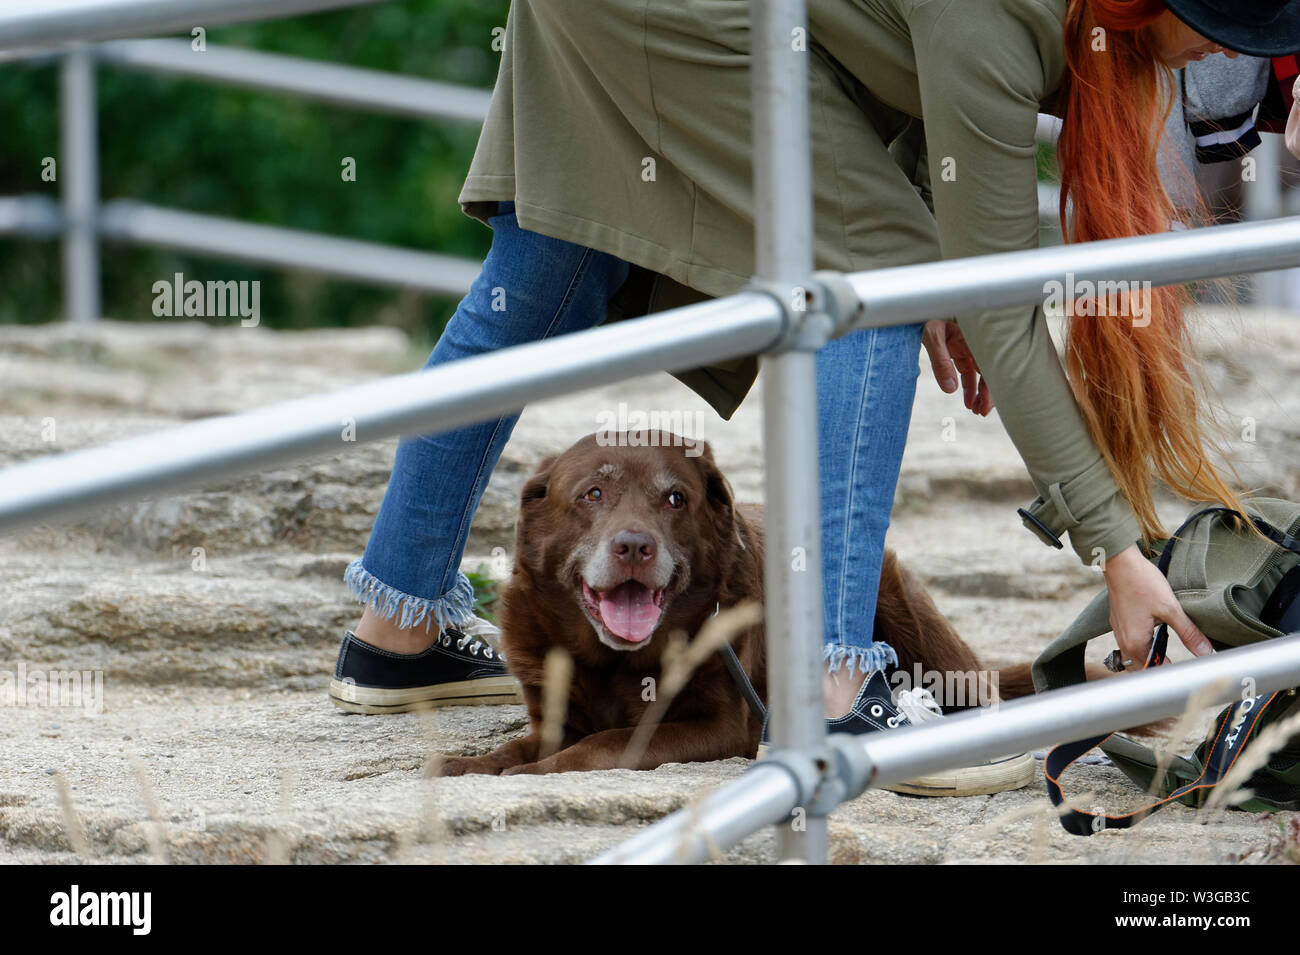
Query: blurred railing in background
<point x="83" y="220"/>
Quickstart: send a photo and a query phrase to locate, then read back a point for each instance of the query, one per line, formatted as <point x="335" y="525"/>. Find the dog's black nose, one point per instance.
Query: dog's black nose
<point x="633" y="547"/>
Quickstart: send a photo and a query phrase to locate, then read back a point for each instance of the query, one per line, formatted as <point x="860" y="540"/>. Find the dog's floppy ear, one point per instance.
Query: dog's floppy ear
<point x="533" y="517"/>
<point x="720" y="496"/>
<point x="535" y="487"/>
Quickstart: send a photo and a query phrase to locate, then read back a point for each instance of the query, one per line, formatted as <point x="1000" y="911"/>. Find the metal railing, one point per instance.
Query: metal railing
<point x="32" y="25"/>
<point x="806" y="768"/>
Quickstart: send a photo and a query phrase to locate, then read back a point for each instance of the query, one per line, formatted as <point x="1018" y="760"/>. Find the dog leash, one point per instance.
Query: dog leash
<point x="742" y="681"/>
<point x="740" y="677"/>
<point x="1234" y="729"/>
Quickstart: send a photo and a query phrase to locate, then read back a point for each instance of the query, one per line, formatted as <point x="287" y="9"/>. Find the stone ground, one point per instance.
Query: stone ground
<point x="216" y="742"/>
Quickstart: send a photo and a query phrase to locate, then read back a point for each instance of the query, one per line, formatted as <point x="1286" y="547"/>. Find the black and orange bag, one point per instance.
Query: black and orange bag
<point x="1238" y="588"/>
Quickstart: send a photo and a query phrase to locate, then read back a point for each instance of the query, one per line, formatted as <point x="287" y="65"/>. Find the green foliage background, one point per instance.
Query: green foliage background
<point x="268" y="158"/>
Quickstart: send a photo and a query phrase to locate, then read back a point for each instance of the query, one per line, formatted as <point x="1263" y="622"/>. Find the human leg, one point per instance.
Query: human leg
<point x="866" y="383"/>
<point x="532" y="287"/>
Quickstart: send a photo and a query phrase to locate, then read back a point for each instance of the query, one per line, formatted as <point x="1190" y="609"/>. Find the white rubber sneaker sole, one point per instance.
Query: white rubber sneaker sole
<point x="995" y="776"/>
<point x="484" y="692"/>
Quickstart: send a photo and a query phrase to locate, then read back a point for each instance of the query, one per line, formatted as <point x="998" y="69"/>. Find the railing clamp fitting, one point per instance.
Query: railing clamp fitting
<point x="806" y="326"/>
<point x="815" y="774"/>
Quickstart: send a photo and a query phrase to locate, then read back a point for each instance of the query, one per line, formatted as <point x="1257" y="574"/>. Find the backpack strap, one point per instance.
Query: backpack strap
<point x="1237" y="724"/>
<point x="1062" y="662"/>
<point x="1236" y="727"/>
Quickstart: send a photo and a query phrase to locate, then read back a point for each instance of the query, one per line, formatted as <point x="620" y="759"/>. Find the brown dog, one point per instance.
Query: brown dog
<point x="616" y="545"/>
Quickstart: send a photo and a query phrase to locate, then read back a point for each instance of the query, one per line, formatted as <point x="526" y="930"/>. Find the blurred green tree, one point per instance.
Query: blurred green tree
<point x="267" y="158"/>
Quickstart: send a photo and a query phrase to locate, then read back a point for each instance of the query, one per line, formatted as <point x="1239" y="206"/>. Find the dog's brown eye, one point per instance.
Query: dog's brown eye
<point x="592" y="495"/>
<point x="676" y="500"/>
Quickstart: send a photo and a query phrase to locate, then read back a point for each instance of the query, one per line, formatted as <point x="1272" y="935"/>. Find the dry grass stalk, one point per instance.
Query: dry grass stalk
<point x="71" y="821"/>
<point x="428" y="824"/>
<point x="1201" y="698"/>
<point x="279" y="845"/>
<point x="681" y="659"/>
<point x="153" y="832"/>
<point x="1231" y="790"/>
<point x="692" y="828"/>
<point x="556" y="679"/>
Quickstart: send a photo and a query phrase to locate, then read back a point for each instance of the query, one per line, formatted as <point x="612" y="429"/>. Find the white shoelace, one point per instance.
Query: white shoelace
<point x="918" y="705"/>
<point x="486" y="632"/>
<point x="475" y="645"/>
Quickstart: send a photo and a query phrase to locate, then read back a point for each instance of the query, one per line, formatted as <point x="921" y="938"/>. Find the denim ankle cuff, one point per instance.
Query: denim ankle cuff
<point x="454" y="608"/>
<point x="875" y="657"/>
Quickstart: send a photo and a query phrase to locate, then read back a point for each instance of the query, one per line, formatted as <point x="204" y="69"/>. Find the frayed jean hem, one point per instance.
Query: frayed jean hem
<point x="454" y="608"/>
<point x="868" y="659"/>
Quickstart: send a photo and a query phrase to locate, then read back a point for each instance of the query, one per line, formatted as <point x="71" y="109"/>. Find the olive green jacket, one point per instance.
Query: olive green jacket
<point x="624" y="125"/>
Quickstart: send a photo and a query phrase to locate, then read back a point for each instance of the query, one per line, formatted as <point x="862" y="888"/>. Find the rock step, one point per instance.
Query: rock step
<point x="328" y="503"/>
<point x="318" y="839"/>
<point x="271" y="620"/>
<point x="175" y="369"/>
<point x="262" y="620"/>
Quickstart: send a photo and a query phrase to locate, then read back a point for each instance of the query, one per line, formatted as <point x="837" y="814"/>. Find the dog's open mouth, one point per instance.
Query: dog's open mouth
<point x="629" y="611"/>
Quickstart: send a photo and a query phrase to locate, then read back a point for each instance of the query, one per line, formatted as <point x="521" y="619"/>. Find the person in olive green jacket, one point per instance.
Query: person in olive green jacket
<point x="615" y="169"/>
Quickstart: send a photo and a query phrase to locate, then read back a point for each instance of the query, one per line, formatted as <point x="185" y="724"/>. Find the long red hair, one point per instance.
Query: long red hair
<point x="1135" y="379"/>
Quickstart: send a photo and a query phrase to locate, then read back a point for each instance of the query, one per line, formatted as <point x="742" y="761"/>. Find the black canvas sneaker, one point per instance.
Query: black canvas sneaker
<point x="458" y="670"/>
<point x="876" y="708"/>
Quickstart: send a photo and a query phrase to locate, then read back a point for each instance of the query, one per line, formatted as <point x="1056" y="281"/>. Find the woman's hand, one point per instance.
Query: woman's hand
<point x="1293" y="122"/>
<point x="951" y="356"/>
<point x="1140" y="600"/>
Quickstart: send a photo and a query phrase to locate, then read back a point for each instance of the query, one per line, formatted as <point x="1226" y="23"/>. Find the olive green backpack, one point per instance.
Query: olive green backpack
<point x="1238" y="588"/>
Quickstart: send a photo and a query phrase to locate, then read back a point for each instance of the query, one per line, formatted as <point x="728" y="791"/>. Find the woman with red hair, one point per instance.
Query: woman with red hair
<point x="615" y="170"/>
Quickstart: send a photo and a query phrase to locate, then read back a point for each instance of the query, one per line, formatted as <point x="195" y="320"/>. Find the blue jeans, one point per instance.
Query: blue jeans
<point x="534" y="287"/>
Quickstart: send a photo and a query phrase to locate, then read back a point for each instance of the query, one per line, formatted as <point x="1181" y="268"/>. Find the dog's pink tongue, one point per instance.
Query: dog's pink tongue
<point x="629" y="611"/>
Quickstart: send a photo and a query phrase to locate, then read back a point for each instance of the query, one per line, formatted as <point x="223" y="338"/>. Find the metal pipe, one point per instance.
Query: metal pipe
<point x="130" y="221"/>
<point x="1078" y="712"/>
<point x="914" y="293"/>
<point x="31" y="24"/>
<point x="792" y="578"/>
<point x="1043" y="720"/>
<point x="33" y="216"/>
<point x="783" y="219"/>
<point x="372" y="90"/>
<point x="79" y="175"/>
<point x="762" y="796"/>
<point x="783" y="240"/>
<point x="1263" y="201"/>
<point x="439" y="399"/>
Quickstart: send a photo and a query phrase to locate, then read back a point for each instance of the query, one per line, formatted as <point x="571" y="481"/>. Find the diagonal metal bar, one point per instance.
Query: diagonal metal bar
<point x="352" y="86"/>
<point x="456" y="394"/>
<point x="914" y="293"/>
<point x="126" y="220"/>
<point x="766" y="794"/>
<point x="683" y="338"/>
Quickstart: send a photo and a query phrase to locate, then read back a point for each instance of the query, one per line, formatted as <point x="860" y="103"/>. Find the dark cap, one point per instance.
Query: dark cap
<point x="1254" y="27"/>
